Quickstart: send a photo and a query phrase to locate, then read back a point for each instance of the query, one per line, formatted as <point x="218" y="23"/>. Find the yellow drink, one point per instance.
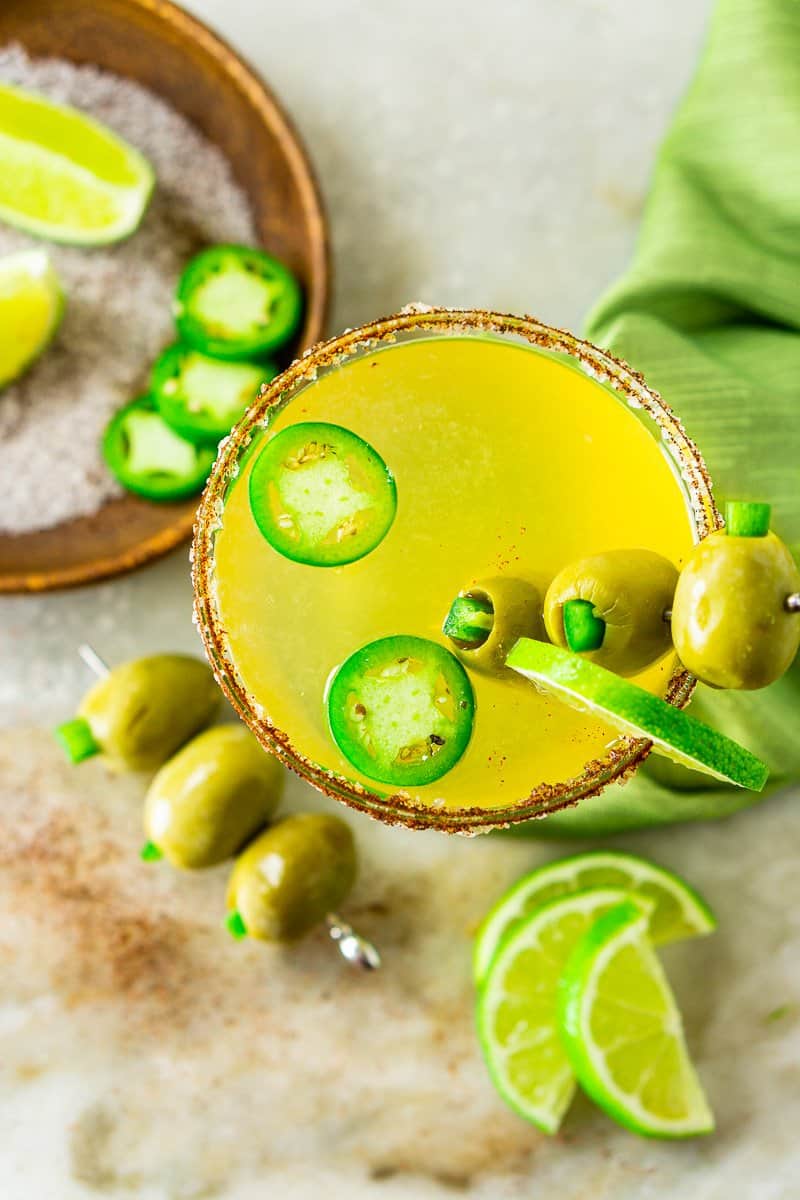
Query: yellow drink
<point x="508" y="460"/>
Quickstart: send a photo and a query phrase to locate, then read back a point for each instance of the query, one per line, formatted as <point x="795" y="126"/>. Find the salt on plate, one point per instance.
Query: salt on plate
<point x="118" y="314"/>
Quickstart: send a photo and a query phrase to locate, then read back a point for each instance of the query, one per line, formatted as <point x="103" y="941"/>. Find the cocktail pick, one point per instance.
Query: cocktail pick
<point x="93" y="660"/>
<point x="791" y="604"/>
<point x="356" y="950"/>
<point x="353" y="948"/>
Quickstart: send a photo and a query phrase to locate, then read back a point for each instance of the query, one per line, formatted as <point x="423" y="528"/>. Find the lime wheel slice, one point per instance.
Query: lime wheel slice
<point x="637" y="713"/>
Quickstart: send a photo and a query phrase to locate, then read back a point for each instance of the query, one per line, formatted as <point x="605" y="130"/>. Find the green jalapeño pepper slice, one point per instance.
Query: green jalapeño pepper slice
<point x="401" y="710"/>
<point x="202" y="398"/>
<point x="469" y="621"/>
<point x="743" y="518"/>
<point x="149" y="458"/>
<point x="320" y="495"/>
<point x="236" y="302"/>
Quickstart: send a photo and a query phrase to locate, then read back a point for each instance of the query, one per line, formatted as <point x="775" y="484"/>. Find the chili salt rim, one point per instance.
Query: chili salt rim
<point x="625" y="754"/>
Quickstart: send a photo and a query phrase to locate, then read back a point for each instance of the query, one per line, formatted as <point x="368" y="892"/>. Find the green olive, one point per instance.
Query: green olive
<point x="144" y="710"/>
<point x="516" y="612"/>
<point x="629" y="591"/>
<point x="286" y="881"/>
<point x="730" y="624"/>
<point x="212" y="797"/>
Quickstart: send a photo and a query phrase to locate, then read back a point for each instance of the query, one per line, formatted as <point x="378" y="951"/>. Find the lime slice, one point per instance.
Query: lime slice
<point x="31" y="307"/>
<point x="517" y="1011"/>
<point x="66" y="177"/>
<point x="678" y="911"/>
<point x="623" y="1032"/>
<point x="637" y="713"/>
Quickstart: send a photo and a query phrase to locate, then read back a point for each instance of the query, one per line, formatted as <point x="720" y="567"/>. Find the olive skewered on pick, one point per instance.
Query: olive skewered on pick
<point x="735" y="614"/>
<point x="210" y="799"/>
<point x="485" y="620"/>
<point x="291" y="877"/>
<point x="611" y="608"/>
<point x="217" y="793"/>
<point x="140" y="713"/>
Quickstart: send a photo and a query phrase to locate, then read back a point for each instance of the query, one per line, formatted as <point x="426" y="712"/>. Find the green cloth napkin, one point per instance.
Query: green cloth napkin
<point x="709" y="312"/>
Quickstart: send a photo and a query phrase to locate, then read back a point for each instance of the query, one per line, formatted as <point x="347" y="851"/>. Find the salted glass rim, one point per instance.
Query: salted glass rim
<point x="625" y="754"/>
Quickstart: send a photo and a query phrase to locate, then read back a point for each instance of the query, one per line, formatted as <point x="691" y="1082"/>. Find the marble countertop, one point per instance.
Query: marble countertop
<point x="469" y="154"/>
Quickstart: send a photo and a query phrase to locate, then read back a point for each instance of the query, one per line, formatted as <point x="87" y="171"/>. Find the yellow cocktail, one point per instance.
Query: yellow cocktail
<point x="515" y="449"/>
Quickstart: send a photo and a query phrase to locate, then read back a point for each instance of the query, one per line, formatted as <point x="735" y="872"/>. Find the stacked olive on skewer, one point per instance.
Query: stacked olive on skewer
<point x="215" y="797"/>
<point x="731" y="614"/>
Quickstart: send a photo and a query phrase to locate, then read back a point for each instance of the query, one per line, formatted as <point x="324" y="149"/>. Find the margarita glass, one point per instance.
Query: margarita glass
<point x="515" y="449"/>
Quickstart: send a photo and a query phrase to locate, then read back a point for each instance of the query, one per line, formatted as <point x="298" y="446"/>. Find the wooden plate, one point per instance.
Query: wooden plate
<point x="173" y="54"/>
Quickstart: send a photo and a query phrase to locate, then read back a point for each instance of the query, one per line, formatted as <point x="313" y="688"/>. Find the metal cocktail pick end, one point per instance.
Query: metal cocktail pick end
<point x="791" y="604"/>
<point x="354" y="949"/>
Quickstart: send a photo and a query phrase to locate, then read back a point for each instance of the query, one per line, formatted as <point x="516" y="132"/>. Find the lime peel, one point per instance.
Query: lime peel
<point x="613" y="985"/>
<point x="637" y="713"/>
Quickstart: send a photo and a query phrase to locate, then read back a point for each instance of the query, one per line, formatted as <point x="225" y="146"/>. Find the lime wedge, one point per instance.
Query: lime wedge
<point x="678" y="911"/>
<point x="517" y="1013"/>
<point x="639" y="714"/>
<point x="623" y="1032"/>
<point x="31" y="307"/>
<point x="66" y="177"/>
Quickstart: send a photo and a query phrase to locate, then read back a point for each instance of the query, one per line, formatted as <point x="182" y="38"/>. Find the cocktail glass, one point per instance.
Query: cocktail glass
<point x="223" y="577"/>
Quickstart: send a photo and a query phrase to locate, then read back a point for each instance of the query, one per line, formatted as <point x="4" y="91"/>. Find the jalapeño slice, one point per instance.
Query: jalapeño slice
<point x="744" y="518"/>
<point x="469" y="621"/>
<point x="236" y="302"/>
<point x="202" y="398"/>
<point x="401" y="710"/>
<point x="320" y="495"/>
<point x="77" y="740"/>
<point x="583" y="629"/>
<point x="149" y="458"/>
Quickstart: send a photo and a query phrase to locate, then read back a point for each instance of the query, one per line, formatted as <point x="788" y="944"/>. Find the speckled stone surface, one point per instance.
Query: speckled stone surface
<point x="470" y="154"/>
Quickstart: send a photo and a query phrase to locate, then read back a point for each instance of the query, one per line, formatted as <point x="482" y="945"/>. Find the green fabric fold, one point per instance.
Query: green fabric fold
<point x="709" y="312"/>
